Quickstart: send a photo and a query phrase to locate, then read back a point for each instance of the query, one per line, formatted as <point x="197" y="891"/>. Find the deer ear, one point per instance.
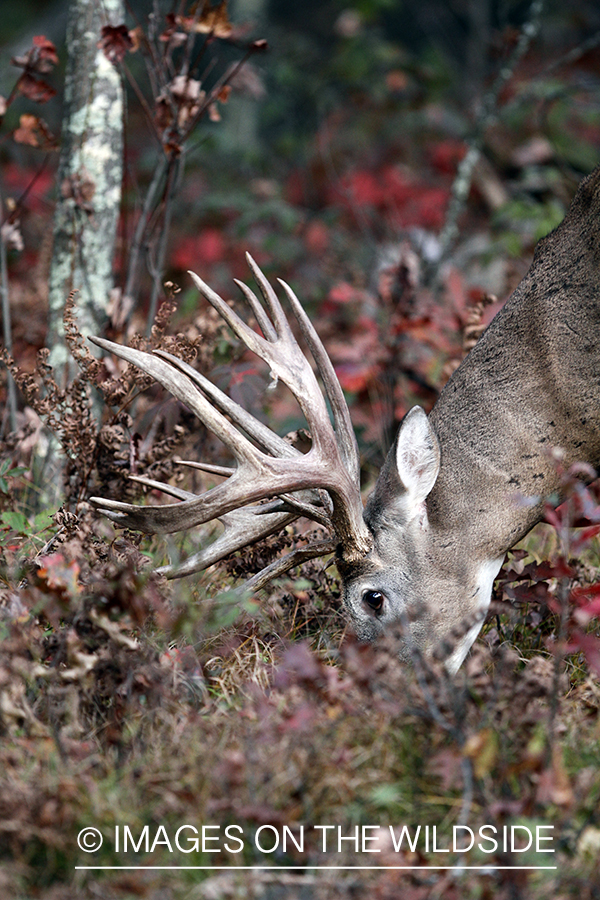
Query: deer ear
<point x="417" y="455"/>
<point x="408" y="474"/>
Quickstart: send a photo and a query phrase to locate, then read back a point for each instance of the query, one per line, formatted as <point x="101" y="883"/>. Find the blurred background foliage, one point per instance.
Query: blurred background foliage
<point x="333" y="160"/>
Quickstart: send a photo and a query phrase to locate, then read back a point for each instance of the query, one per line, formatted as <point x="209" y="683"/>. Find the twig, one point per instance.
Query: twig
<point x="487" y="113"/>
<point x="563" y="595"/>
<point x="140" y="229"/>
<point x="567" y="59"/>
<point x="171" y="188"/>
<point x="143" y="104"/>
<point x="7" y="331"/>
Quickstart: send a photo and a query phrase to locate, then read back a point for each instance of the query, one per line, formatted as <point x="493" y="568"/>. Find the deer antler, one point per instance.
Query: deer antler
<point x="322" y="484"/>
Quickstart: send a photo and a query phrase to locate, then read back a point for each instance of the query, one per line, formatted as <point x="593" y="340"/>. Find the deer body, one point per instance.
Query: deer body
<point x="531" y="383"/>
<point x="458" y="488"/>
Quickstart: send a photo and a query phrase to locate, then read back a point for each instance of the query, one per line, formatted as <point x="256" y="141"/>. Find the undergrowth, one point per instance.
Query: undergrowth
<point x="130" y="702"/>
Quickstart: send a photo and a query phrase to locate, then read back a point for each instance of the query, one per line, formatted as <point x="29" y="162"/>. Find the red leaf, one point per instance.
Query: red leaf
<point x="446" y="156"/>
<point x="579" y="540"/>
<point x="205" y="249"/>
<point x="40" y="58"/>
<point x="46" y="53"/>
<point x="363" y="189"/>
<point x="589" y="644"/>
<point x="299" y="664"/>
<point x="342" y="293"/>
<point x="34" y="88"/>
<point x="582" y="594"/>
<point x="552" y="516"/>
<point x="585" y="614"/>
<point x="58" y="576"/>
<point x="525" y="593"/>
<point x="355" y="378"/>
<point x="316" y="238"/>
<point x="115" y="42"/>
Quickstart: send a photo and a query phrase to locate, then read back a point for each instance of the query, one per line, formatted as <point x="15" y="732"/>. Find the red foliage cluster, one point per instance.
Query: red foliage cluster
<point x="445" y="156"/>
<point x="209" y="247"/>
<point x="405" y="201"/>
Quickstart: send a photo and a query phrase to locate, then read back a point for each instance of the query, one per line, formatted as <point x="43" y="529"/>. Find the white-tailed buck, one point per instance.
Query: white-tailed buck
<point x="448" y="503"/>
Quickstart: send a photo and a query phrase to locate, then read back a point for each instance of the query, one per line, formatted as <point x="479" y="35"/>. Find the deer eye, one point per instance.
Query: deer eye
<point x="374" y="599"/>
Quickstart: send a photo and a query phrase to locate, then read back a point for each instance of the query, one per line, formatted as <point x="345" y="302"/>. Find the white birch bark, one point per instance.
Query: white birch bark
<point x="89" y="178"/>
<point x="88" y="202"/>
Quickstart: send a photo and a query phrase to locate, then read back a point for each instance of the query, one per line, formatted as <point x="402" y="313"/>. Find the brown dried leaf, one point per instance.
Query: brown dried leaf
<point x="115" y="630"/>
<point x="41" y="57"/>
<point x="554" y="785"/>
<point x="81" y="188"/>
<point x="137" y="36"/>
<point x="163" y="114"/>
<point x="34" y="132"/>
<point x="45" y="53"/>
<point x="212" y="20"/>
<point x="115" y="42"/>
<point x="482" y="749"/>
<point x="35" y="88"/>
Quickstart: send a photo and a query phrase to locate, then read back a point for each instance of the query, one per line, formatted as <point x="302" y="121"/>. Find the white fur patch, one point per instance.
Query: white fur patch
<point x="485" y="583"/>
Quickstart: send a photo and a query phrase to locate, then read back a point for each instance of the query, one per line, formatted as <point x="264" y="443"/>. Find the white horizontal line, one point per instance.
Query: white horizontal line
<point x="489" y="867"/>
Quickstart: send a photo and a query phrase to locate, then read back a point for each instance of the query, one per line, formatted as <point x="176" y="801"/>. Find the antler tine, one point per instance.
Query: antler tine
<point x="296" y="478"/>
<point x="339" y="408"/>
<point x="241" y="527"/>
<point x="181" y="387"/>
<point x="285" y="563"/>
<point x="162" y="486"/>
<point x="257" y="476"/>
<point x="283" y="356"/>
<point x="271" y="298"/>
<point x="262" y="318"/>
<point x="205" y="467"/>
<point x="251" y="339"/>
<point x="263" y="435"/>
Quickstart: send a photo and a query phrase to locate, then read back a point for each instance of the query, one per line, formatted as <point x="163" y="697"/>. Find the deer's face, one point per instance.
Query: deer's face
<point x="414" y="577"/>
<point x="399" y="585"/>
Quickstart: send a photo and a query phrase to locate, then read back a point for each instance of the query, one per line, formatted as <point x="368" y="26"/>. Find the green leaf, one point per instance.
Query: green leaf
<point x="16" y="521"/>
<point x="386" y="795"/>
<point x="7" y="472"/>
<point x="42" y="520"/>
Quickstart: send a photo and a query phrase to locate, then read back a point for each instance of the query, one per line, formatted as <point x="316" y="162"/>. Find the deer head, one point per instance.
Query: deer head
<point x="448" y="503"/>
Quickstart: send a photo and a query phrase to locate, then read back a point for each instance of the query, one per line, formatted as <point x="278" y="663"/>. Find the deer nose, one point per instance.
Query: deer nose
<point x="374" y="600"/>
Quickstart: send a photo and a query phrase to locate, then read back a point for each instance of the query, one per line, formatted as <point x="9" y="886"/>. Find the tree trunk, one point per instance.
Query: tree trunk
<point x="89" y="179"/>
<point x="88" y="201"/>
